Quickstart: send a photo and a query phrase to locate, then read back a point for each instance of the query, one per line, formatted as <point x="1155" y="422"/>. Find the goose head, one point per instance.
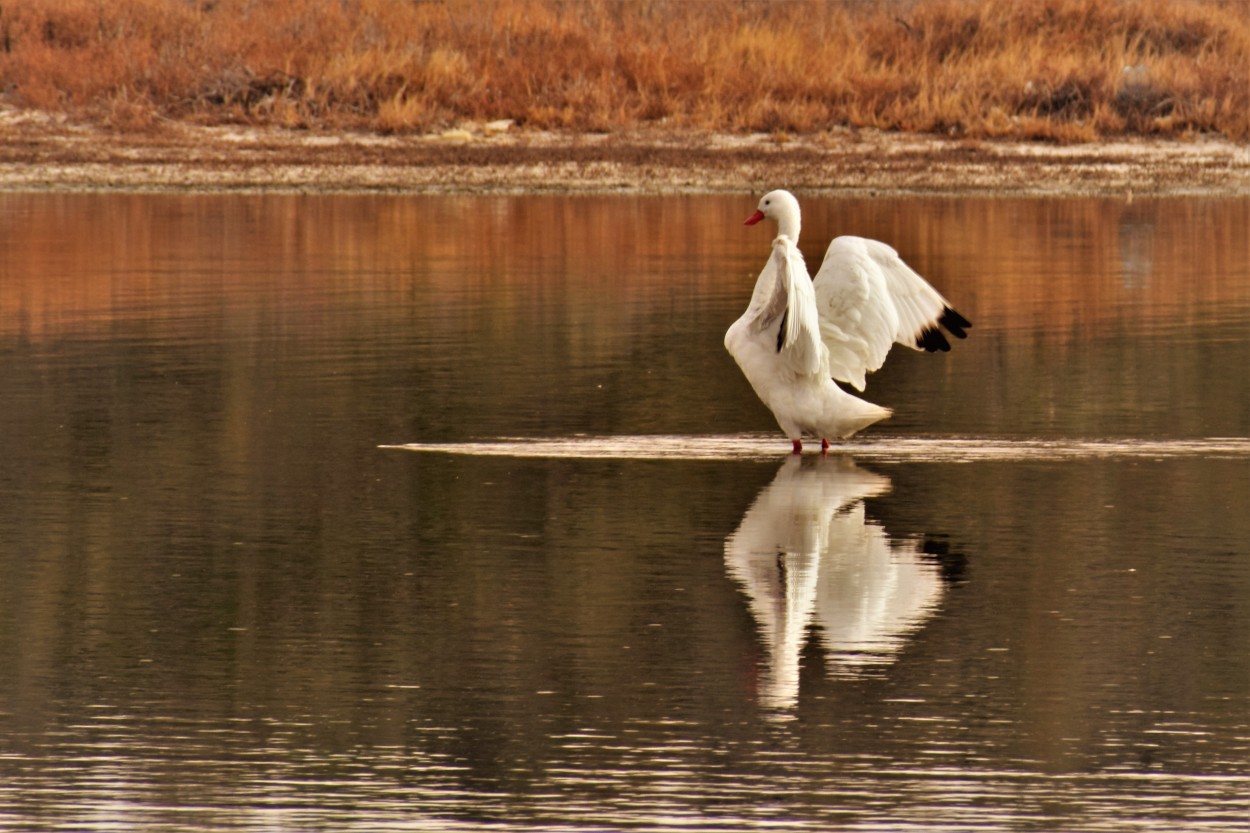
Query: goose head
<point x="781" y="207"/>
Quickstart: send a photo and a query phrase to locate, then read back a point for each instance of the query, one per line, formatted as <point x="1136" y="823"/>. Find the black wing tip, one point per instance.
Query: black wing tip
<point x="931" y="338"/>
<point x="955" y="323"/>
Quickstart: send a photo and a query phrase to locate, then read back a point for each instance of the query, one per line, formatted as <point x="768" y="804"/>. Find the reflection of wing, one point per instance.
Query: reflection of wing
<point x="804" y="554"/>
<point x="871" y="594"/>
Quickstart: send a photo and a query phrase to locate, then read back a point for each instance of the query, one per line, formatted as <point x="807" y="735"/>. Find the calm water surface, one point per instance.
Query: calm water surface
<point x="223" y="606"/>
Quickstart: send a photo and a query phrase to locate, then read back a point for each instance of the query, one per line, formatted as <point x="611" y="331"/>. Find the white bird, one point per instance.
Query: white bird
<point x="799" y="334"/>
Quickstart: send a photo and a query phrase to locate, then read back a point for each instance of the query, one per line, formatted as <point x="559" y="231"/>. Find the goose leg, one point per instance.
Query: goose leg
<point x="824" y="445"/>
<point x="798" y="446"/>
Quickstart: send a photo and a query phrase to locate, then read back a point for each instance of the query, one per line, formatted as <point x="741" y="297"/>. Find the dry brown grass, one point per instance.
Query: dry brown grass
<point x="1066" y="70"/>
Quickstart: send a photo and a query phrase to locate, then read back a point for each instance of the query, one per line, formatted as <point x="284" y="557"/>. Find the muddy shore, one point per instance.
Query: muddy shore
<point x="38" y="153"/>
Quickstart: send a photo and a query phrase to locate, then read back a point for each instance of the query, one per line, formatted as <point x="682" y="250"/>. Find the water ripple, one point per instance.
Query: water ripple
<point x="881" y="448"/>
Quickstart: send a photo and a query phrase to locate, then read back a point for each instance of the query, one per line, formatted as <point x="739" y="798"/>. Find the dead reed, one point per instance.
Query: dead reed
<point x="1064" y="70"/>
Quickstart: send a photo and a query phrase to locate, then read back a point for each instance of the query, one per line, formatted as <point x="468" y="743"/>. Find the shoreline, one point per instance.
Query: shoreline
<point x="39" y="153"/>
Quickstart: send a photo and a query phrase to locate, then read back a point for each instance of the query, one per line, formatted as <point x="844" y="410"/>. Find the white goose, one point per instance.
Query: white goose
<point x="799" y="334"/>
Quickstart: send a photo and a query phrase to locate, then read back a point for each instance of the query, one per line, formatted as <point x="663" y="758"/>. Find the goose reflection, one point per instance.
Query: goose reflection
<point x="805" y="554"/>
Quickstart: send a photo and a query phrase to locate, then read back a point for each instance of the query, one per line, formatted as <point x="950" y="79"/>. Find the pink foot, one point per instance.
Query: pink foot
<point x="824" y="446"/>
<point x="798" y="446"/>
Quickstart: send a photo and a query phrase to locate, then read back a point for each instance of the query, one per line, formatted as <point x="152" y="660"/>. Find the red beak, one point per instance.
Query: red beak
<point x="754" y="218"/>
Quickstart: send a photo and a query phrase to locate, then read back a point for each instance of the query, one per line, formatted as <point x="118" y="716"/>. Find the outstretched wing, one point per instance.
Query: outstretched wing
<point x="784" y="307"/>
<point x="868" y="299"/>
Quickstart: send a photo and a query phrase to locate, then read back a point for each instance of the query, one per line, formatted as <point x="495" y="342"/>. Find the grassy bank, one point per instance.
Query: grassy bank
<point x="1066" y="70"/>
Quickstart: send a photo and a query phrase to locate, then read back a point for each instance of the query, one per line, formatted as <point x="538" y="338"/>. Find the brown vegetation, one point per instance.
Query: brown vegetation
<point x="1066" y="70"/>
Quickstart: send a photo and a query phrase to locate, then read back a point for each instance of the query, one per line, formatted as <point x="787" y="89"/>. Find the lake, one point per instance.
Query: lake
<point x="434" y="513"/>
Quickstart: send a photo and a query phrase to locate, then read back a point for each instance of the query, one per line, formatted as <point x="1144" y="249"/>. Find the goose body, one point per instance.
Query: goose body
<point x="799" y="334"/>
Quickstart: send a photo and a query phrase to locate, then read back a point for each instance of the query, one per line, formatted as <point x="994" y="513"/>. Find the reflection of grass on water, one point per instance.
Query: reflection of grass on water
<point x="1049" y="69"/>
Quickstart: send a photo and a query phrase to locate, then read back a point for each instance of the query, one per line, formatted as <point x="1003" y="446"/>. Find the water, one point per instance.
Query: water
<point x="227" y="603"/>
